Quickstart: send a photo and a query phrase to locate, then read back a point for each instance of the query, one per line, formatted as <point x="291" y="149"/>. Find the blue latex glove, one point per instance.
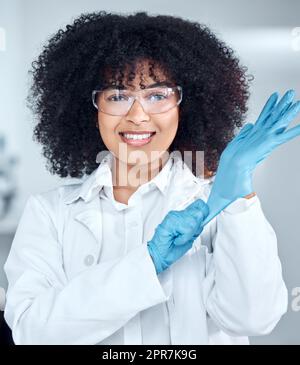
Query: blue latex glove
<point x="175" y="235"/>
<point x="250" y="147"/>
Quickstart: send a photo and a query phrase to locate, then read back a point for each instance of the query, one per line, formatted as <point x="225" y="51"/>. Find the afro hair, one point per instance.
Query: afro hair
<point x="96" y="49"/>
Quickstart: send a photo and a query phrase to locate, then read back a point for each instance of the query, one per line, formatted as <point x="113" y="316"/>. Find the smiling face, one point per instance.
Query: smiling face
<point x="162" y="126"/>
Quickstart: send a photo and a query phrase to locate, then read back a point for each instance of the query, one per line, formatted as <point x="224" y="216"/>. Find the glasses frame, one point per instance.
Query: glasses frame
<point x="136" y="97"/>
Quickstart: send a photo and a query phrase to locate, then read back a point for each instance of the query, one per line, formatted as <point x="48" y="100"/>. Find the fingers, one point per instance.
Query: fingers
<point x="184" y="242"/>
<point x="277" y="111"/>
<point x="190" y="221"/>
<point x="244" y="131"/>
<point x="289" y="134"/>
<point x="242" y="134"/>
<point x="290" y="113"/>
<point x="198" y="209"/>
<point x="267" y="109"/>
<point x="265" y="113"/>
<point x="282" y="114"/>
<point x="285" y="109"/>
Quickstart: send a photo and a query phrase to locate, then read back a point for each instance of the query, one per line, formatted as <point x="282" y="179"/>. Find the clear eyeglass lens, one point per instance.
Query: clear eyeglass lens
<point x="154" y="100"/>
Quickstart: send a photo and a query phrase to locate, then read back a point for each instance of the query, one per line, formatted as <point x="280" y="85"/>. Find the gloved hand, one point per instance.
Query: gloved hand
<point x="250" y="147"/>
<point x="175" y="235"/>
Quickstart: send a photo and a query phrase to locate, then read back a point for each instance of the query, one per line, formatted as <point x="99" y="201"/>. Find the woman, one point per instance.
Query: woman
<point x="129" y="255"/>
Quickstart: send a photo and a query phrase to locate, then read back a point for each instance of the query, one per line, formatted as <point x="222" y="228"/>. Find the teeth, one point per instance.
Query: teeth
<point x="137" y="136"/>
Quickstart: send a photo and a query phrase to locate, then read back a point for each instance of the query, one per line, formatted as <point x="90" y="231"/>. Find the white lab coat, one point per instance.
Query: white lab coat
<point x="227" y="287"/>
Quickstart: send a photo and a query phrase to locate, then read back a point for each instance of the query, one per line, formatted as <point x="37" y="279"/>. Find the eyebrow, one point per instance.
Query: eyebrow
<point x="160" y="83"/>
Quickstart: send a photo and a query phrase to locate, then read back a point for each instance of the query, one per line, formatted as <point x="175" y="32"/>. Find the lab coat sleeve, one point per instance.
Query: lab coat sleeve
<point x="43" y="307"/>
<point x="243" y="290"/>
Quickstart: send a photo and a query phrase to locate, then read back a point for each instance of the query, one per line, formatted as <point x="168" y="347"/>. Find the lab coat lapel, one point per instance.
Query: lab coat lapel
<point x="91" y="218"/>
<point x="184" y="186"/>
<point x="182" y="190"/>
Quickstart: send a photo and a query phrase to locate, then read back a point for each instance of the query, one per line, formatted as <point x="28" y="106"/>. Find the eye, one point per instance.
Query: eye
<point x="117" y="97"/>
<point x="157" y="97"/>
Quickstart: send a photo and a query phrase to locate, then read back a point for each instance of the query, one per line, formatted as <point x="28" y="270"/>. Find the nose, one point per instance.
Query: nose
<point x="136" y="113"/>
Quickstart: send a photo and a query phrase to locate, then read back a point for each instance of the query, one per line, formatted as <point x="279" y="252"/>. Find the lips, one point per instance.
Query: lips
<point x="137" y="132"/>
<point x="137" y="142"/>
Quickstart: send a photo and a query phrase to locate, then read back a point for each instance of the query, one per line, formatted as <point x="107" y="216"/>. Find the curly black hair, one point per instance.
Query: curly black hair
<point x="96" y="49"/>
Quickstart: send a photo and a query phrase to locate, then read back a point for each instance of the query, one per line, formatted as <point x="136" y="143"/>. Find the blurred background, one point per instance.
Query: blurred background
<point x="266" y="37"/>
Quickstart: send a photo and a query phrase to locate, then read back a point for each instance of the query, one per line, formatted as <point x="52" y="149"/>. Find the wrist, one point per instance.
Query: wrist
<point x="249" y="196"/>
<point x="155" y="258"/>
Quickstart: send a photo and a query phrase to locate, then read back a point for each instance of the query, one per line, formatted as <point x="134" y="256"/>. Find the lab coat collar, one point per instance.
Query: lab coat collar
<point x="102" y="176"/>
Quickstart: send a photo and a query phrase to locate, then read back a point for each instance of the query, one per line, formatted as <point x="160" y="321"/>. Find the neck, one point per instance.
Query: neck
<point x="130" y="177"/>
